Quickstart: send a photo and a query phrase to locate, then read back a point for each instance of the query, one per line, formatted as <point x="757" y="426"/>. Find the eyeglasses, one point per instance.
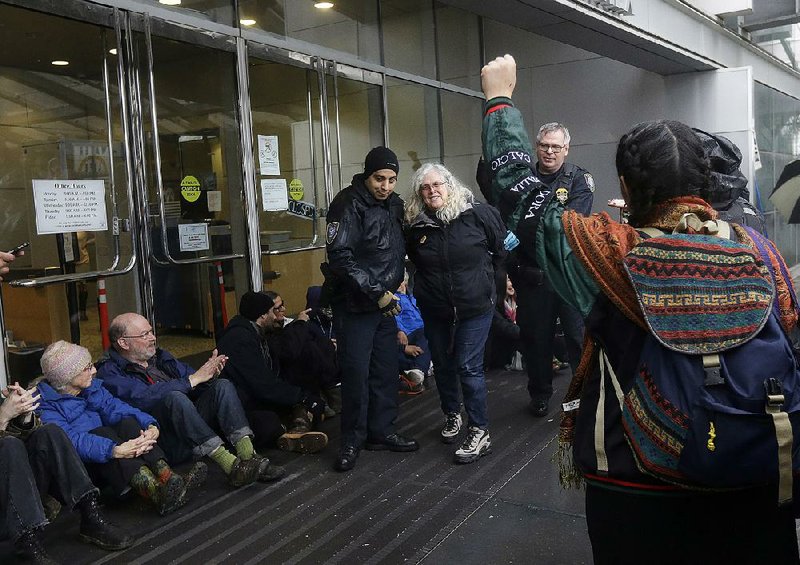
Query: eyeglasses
<point x="428" y="187"/>
<point x="554" y="148"/>
<point x="279" y="308"/>
<point x="148" y="333"/>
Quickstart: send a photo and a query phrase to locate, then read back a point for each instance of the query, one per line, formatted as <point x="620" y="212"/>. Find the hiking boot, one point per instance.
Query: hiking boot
<point x="171" y="495"/>
<point x="408" y="388"/>
<point x="96" y="529"/>
<point x="476" y="445"/>
<point x="333" y="398"/>
<point x="269" y="473"/>
<point x="302" y="442"/>
<point x="29" y="548"/>
<point x="196" y="476"/>
<point x="452" y="427"/>
<point x="244" y="472"/>
<point x="414" y="376"/>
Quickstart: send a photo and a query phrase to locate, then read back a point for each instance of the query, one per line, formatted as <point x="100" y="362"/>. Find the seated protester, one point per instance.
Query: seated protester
<point x="37" y="461"/>
<point x="504" y="339"/>
<point x="414" y="353"/>
<point x="115" y="440"/>
<point x="189" y="405"/>
<point x="252" y="369"/>
<point x="301" y="357"/>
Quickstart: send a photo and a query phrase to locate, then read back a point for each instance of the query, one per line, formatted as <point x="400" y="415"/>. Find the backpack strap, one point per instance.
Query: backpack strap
<point x="784" y="435"/>
<point x="600" y="415"/>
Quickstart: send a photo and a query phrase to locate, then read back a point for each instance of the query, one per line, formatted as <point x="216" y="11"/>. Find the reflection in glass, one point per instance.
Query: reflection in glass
<point x="409" y="36"/>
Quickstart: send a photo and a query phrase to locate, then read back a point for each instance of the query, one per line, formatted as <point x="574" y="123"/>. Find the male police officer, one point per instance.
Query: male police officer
<point x="538" y="305"/>
<point x="366" y="254"/>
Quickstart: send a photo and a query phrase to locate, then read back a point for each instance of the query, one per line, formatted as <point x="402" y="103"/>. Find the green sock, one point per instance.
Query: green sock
<point x="145" y="484"/>
<point x="223" y="458"/>
<point x="244" y="448"/>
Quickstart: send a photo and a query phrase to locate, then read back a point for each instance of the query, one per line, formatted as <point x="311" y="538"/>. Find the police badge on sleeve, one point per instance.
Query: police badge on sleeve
<point x="589" y="181"/>
<point x="333" y="231"/>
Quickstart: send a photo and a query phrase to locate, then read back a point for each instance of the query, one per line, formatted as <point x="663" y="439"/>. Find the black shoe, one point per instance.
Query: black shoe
<point x="393" y="442"/>
<point x="539" y="408"/>
<point x="97" y="530"/>
<point x="244" y="472"/>
<point x="269" y="473"/>
<point x="346" y="459"/>
<point x="29" y="548"/>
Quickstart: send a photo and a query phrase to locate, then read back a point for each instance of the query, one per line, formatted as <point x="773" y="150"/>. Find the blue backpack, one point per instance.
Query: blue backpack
<point x="715" y="403"/>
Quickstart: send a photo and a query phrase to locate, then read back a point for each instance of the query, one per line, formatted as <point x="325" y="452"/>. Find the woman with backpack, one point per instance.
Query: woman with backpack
<point x="639" y="509"/>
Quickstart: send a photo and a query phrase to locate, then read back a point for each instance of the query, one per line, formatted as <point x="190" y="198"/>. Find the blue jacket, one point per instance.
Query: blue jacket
<point x="409" y="319"/>
<point x="78" y="415"/>
<point x="129" y="381"/>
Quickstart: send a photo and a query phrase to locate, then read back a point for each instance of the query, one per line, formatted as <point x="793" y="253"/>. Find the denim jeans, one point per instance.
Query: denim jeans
<point x="188" y="422"/>
<point x="45" y="463"/>
<point x="367" y="349"/>
<point x="462" y="363"/>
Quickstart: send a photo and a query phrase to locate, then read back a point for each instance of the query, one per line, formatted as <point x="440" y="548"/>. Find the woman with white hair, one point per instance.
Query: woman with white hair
<point x="454" y="242"/>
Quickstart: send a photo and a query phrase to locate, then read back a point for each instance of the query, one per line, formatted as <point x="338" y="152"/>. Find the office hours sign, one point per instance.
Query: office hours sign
<point x="64" y="206"/>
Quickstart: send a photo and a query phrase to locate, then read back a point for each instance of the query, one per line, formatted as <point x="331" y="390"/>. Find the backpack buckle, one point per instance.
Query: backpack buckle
<point x="713" y="369"/>
<point x="774" y="391"/>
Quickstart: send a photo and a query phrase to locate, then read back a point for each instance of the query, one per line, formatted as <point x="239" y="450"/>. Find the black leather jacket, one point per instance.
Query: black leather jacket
<point x="366" y="250"/>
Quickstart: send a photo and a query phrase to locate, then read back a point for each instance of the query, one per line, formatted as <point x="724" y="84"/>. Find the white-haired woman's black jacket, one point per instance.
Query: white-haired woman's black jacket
<point x="455" y="262"/>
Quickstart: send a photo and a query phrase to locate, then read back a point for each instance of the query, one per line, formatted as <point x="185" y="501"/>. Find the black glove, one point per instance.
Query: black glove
<point x="315" y="405"/>
<point x="389" y="304"/>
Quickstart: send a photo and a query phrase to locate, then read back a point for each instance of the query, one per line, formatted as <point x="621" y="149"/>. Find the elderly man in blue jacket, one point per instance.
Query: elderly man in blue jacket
<point x="188" y="404"/>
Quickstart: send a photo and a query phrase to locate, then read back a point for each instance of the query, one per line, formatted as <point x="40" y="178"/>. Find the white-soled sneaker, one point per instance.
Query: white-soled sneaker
<point x="452" y="427"/>
<point x="476" y="445"/>
<point x="415" y="376"/>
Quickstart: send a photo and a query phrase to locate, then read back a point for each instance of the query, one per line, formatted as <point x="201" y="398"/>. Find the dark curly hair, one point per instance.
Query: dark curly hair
<point x="661" y="160"/>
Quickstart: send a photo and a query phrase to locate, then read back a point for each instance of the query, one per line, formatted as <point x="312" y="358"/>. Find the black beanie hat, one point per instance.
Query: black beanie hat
<point x="380" y="158"/>
<point x="253" y="305"/>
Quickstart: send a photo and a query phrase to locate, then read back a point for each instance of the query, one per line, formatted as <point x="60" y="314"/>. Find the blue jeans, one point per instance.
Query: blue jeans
<point x="189" y="421"/>
<point x="461" y="364"/>
<point x="421" y="361"/>
<point x="367" y="350"/>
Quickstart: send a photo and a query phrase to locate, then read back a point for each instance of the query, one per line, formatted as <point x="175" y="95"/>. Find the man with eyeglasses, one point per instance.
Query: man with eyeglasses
<point x="538" y="304"/>
<point x="366" y="255"/>
<point x="188" y="404"/>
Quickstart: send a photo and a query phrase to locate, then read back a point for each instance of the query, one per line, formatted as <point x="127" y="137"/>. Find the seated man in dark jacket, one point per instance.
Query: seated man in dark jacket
<point x="188" y="404"/>
<point x="253" y="370"/>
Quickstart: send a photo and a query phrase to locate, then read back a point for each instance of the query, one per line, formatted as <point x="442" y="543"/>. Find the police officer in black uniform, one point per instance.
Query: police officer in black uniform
<point x="366" y="253"/>
<point x="538" y="305"/>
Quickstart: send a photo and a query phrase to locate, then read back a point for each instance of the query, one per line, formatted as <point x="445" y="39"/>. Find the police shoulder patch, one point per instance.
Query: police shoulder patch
<point x="589" y="181"/>
<point x="332" y="232"/>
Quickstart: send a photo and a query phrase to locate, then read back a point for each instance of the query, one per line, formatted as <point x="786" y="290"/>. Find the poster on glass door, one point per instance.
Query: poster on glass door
<point x="64" y="206"/>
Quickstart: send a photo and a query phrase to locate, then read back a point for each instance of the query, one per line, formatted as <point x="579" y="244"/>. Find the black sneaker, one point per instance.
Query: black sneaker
<point x="539" y="408"/>
<point x="269" y="473"/>
<point x="476" y="445"/>
<point x="452" y="427"/>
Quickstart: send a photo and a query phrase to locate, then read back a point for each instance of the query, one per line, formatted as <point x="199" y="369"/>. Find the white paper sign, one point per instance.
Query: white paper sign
<point x="64" y="206"/>
<point x="268" y="155"/>
<point x="193" y="237"/>
<point x="214" y="200"/>
<point x="274" y="195"/>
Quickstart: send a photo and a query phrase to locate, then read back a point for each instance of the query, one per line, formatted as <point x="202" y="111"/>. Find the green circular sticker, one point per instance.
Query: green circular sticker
<point x="296" y="189"/>
<point x="190" y="188"/>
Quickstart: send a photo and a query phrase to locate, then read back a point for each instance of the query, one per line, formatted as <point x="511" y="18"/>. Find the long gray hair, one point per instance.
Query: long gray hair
<point x="459" y="197"/>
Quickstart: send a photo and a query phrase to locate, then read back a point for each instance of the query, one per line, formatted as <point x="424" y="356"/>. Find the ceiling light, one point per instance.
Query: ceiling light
<point x="247" y="22"/>
<point x="170" y="2"/>
<point x="113" y="51"/>
<point x="323" y="5"/>
<point x="60" y="63"/>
